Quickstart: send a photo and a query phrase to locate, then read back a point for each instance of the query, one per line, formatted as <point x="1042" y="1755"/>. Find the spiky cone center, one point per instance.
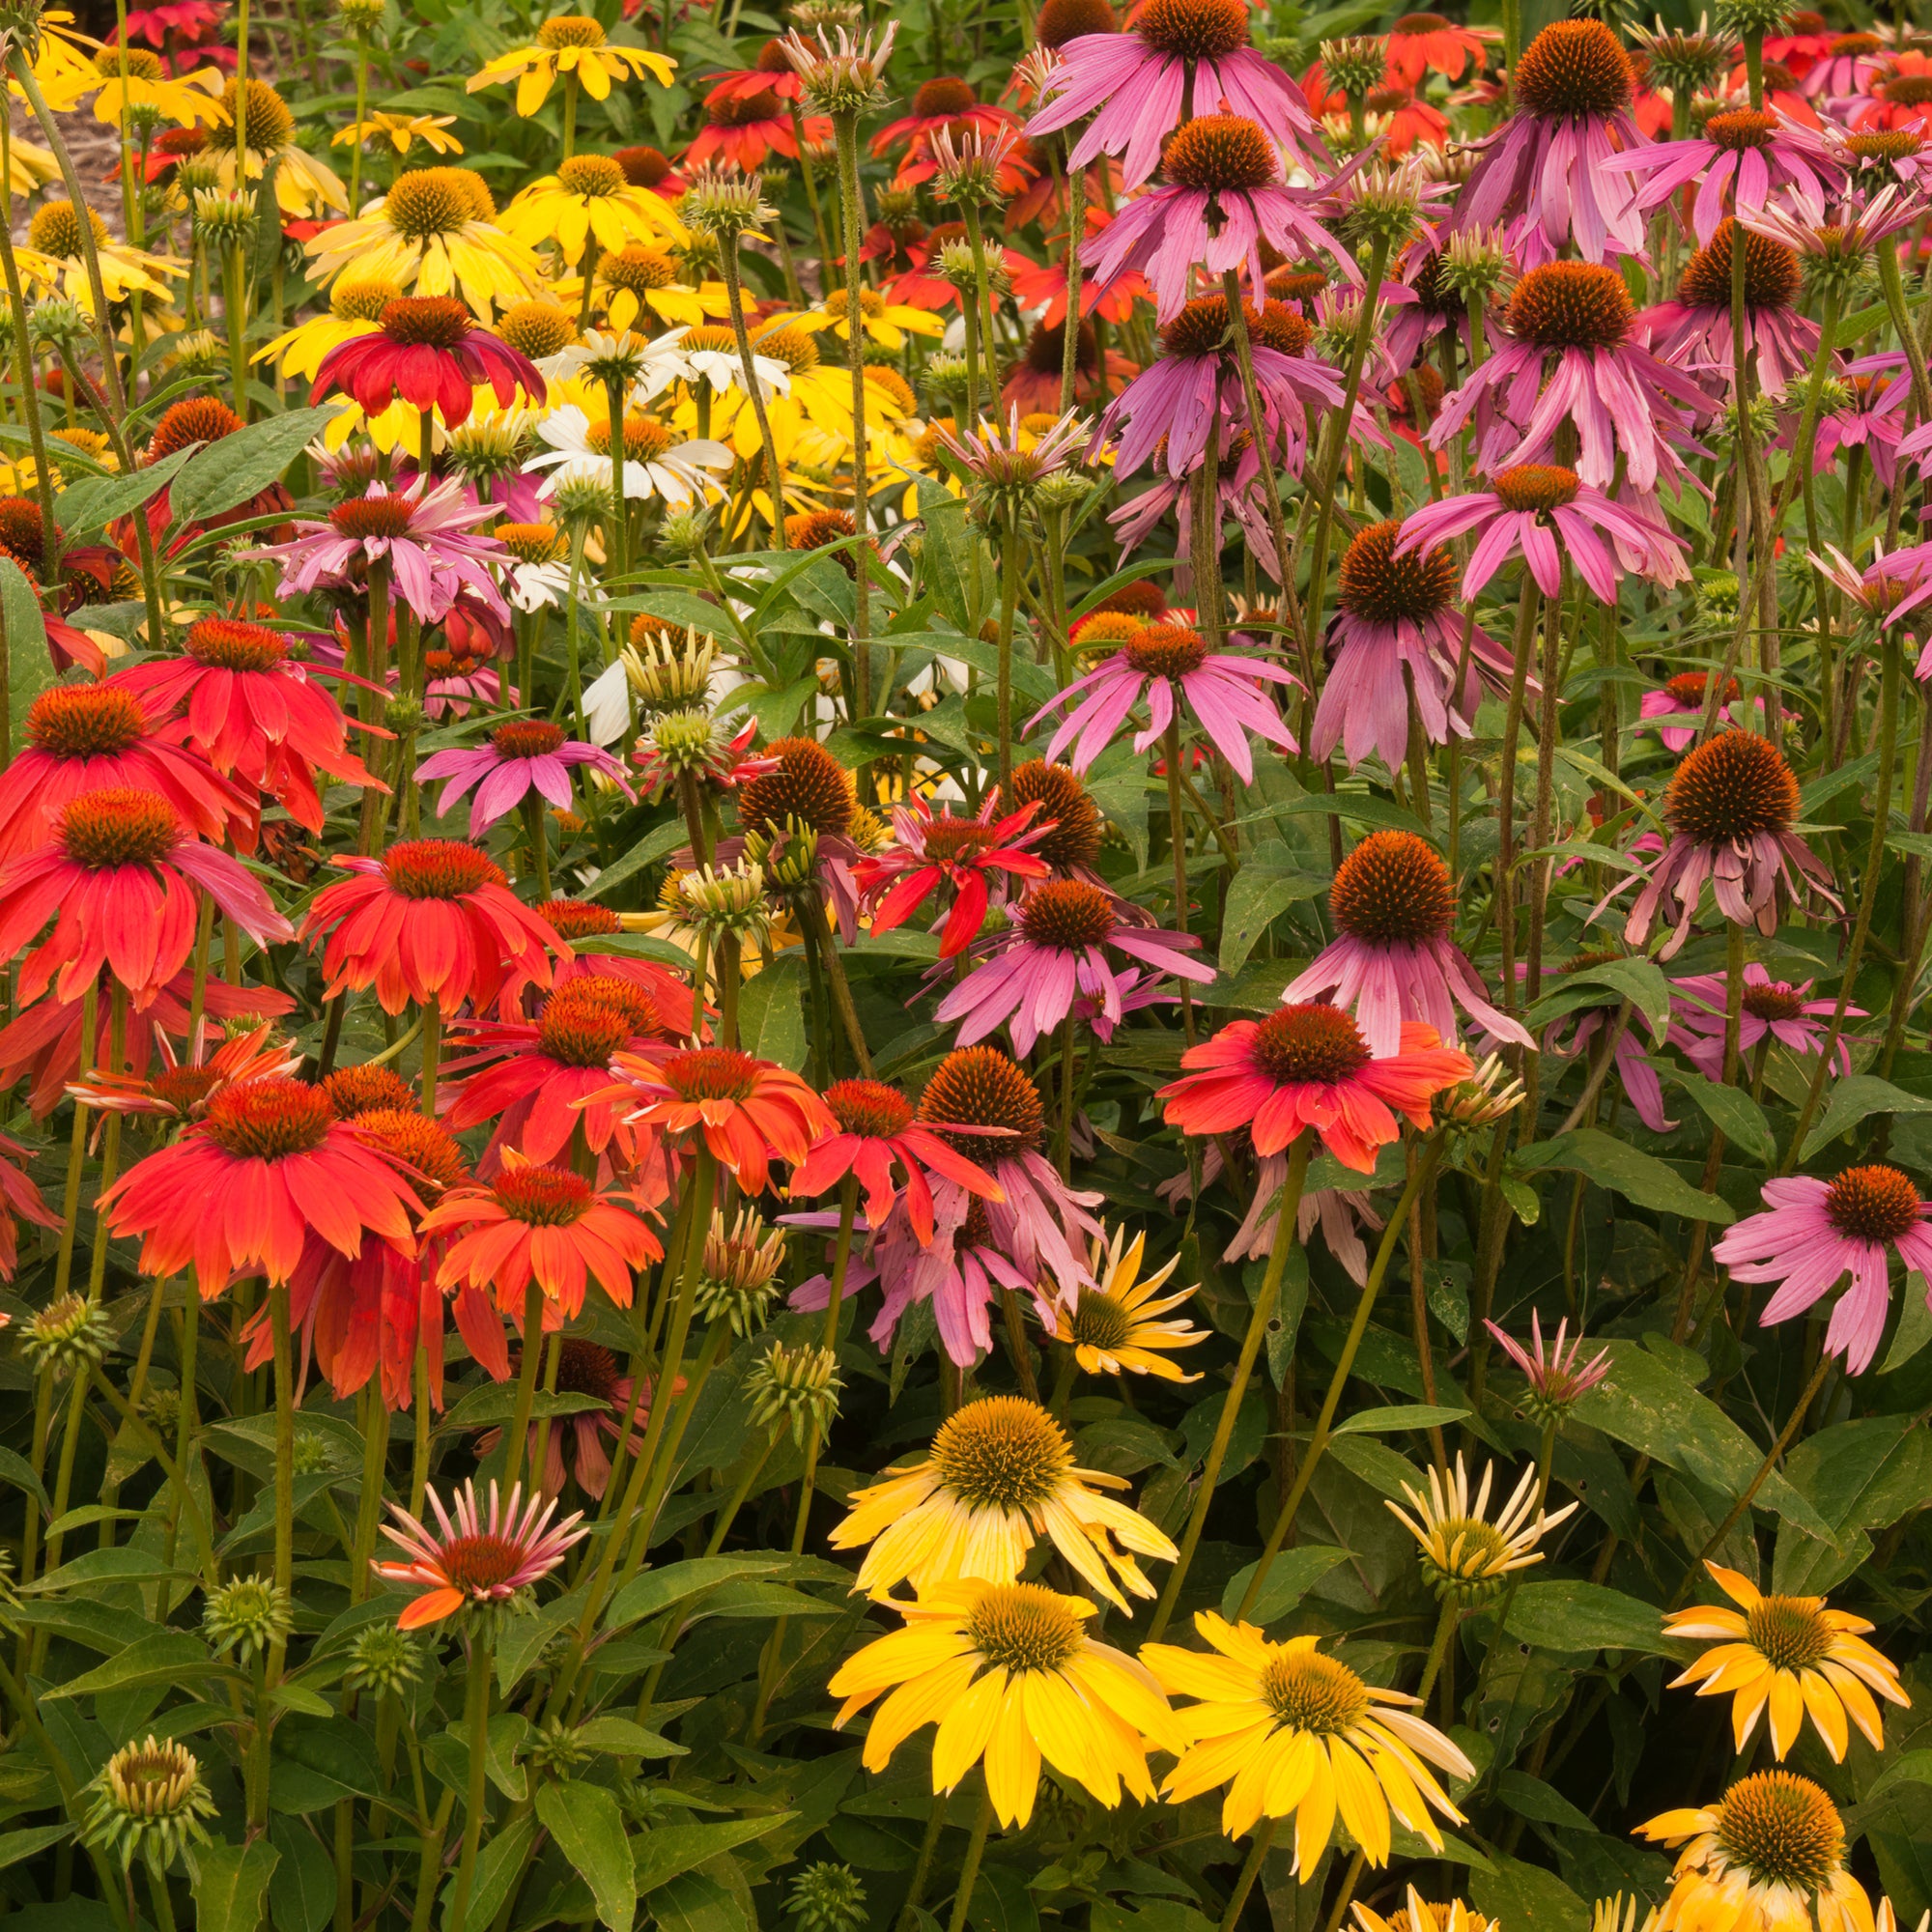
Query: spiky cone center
<point x="431" y="202"/>
<point x="1201" y="328"/>
<point x="1904" y="90"/>
<point x="1790" y="1630"/>
<point x="1736" y="787"/>
<point x="710" y="1073"/>
<point x="355" y="299"/>
<point x="1872" y="1203"/>
<point x="1539" y="487"/>
<point x="408" y="1134"/>
<point x="595" y="177"/>
<point x="1573" y="304"/>
<point x="838" y="301"/>
<point x="808" y="783"/>
<point x="370" y="519"/>
<point x="572" y="920"/>
<point x="944" y="98"/>
<point x="1742" y="128"/>
<point x="1308" y="1691"/>
<point x="1693" y="687"/>
<point x="1194" y="30"/>
<point x="526" y="738"/>
<point x="1773" y="276"/>
<point x="536" y="328"/>
<point x="429" y="322"/>
<point x="182" y="1087"/>
<point x="269" y="1119"/>
<point x="956" y="841"/>
<point x="1309" y="1044"/>
<point x="1781" y="1830"/>
<point x="543" y="1197"/>
<point x="813" y="530"/>
<point x="1466" y="1551"/>
<point x="643" y="166"/>
<point x="1002" y="1453"/>
<point x="981" y="1087"/>
<point x="1163" y="650"/>
<point x="1022" y="1626"/>
<point x="227" y="643"/>
<point x="1064" y="21"/>
<point x="641" y="270"/>
<point x="480" y="1566"/>
<point x="22" y="531"/>
<point x="1068" y="915"/>
<point x="1073" y="819"/>
<point x="85" y="721"/>
<point x="587" y="1368"/>
<point x="532" y="542"/>
<point x="128" y="63"/>
<point x="869" y="1108"/>
<point x="587" y="1019"/>
<point x="1850" y="47"/>
<point x="352" y="1090"/>
<point x="1778" y="1001"/>
<point x="1886" y="144"/>
<point x="1574" y="67"/>
<point x="1382" y="588"/>
<point x="1392" y="890"/>
<point x="438" y="869"/>
<point x="55" y="230"/>
<point x="570" y="30"/>
<point x="645" y="439"/>
<point x="270" y="123"/>
<point x="117" y="826"/>
<point x="1414" y="26"/>
<point x="1099" y="1321"/>
<point x="191" y="420"/>
<point x="1220" y="152"/>
<point x="153" y="1781"/>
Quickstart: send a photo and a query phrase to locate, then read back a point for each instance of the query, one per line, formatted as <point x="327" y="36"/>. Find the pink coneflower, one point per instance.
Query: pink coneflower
<point x="970" y="855"/>
<point x="1768" y="1009"/>
<point x="1179" y="51"/>
<point x="1556" y="1374"/>
<point x="1340" y="1212"/>
<point x="1576" y="1036"/>
<point x="1742" y="160"/>
<point x="1398" y="635"/>
<point x="1731" y="807"/>
<point x="1870" y="417"/>
<point x="1055" y="949"/>
<point x="1393" y="960"/>
<point x="455" y="680"/>
<point x="1309" y="1066"/>
<point x="873" y="1132"/>
<point x="1224" y="195"/>
<point x="577" y="1443"/>
<point x="1882" y="155"/>
<point x="1543" y="171"/>
<point x="478" y="1558"/>
<point x="1193" y="388"/>
<point x="425" y="535"/>
<point x="525" y="757"/>
<point x="1684" y="697"/>
<point x="1889" y="587"/>
<point x="1168" y="664"/>
<point x="1623" y="401"/>
<point x="1542" y="512"/>
<point x="1815" y="1233"/>
<point x="1237" y="494"/>
<point x="121" y="880"/>
<point x="1694" y="331"/>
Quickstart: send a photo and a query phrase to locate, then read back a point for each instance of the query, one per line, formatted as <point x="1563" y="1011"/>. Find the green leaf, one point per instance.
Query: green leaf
<point x="499" y="1865"/>
<point x="228" y="472"/>
<point x="1258" y="893"/>
<point x="589" y="1831"/>
<point x="523" y="1637"/>
<point x="657" y="1590"/>
<point x="1530" y="1797"/>
<point x="166" y="1657"/>
<point x="694" y="1903"/>
<point x="771" y="1012"/>
<point x="945" y="550"/>
<point x="1734" y="1114"/>
<point x="1289" y="1577"/>
<point x="1914" y="1324"/>
<point x="301" y="1894"/>
<point x="99" y="501"/>
<point x="1406" y="1415"/>
<point x="1357" y="808"/>
<point x="1850" y="1101"/>
<point x="622" y="1738"/>
<point x="651" y="850"/>
<point x="229" y="1881"/>
<point x="23" y="631"/>
<point x="663" y="1854"/>
<point x="1827" y="786"/>
<point x="17" y="1845"/>
<point x="1625" y="1170"/>
<point x="1641" y="982"/>
<point x="1527" y="1897"/>
<point x="14" y="1468"/>
<point x="492" y="1407"/>
<point x="1570" y="1615"/>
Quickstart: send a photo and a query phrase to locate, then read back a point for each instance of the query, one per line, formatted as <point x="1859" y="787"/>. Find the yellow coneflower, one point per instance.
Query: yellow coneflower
<point x="1112" y="1326"/>
<point x="1008" y="1674"/>
<point x="1417" y="1914"/>
<point x="305" y="187"/>
<point x="1293" y="1732"/>
<point x="1463" y="1554"/>
<point x="885" y="323"/>
<point x="589" y="199"/>
<point x="1887" y="1919"/>
<point x="1768" y="1857"/>
<point x="998" y="1471"/>
<point x="1793" y="1654"/>
<point x="1619" y="1913"/>
<point x="52" y="258"/>
<point x="402" y="131"/>
<point x="574" y="44"/>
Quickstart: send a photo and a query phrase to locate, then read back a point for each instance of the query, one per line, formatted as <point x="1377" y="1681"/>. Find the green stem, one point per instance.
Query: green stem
<point x="477" y="1735"/>
<point x="734" y="295"/>
<point x="527" y="1385"/>
<point x="969" y="1869"/>
<point x="851" y="211"/>
<point x="1009" y="597"/>
<point x="1251" y="1869"/>
<point x="432" y="1051"/>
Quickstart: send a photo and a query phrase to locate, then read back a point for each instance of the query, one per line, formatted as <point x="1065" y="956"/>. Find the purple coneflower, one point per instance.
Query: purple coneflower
<point x="528" y="754"/>
<point x="1889" y="587"/>
<point x="1542" y="172"/>
<point x="1684" y="697"/>
<point x="1694" y="332"/>
<point x="1542" y="512"/>
<point x="1623" y="401"/>
<point x="1870" y="417"/>
<point x="1740" y="161"/>
<point x="1194" y="386"/>
<point x="971" y="855"/>
<point x="1768" y="1009"/>
<point x="1392" y="960"/>
<point x="1815" y="1233"/>
<point x="1225" y="194"/>
<point x="425" y="536"/>
<point x="476" y="1558"/>
<point x="1238" y="498"/>
<point x="1848" y="67"/>
<point x="1168" y="664"/>
<point x="1575" y="1036"/>
<point x="1731" y="807"/>
<point x="1882" y="155"/>
<point x="585" y="1369"/>
<point x="1180" y="55"/>
<point x="1341" y="1212"/>
<point x="1054" y="949"/>
<point x="1557" y="1374"/>
<point x="1397" y="615"/>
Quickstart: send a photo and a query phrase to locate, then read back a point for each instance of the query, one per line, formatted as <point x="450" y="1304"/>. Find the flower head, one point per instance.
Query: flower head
<point x="1557" y="1376"/>
<point x="1114" y="1323"/>
<point x="1465" y="1554"/>
<point x="574" y="44"/>
<point x="427" y="350"/>
<point x="475" y="1558"/>
<point x="149" y="1802"/>
<point x="524" y="758"/>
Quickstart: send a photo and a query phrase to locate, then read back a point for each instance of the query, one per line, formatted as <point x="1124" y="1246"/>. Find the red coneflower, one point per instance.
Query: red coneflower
<point x="242" y="1190"/>
<point x="85" y="737"/>
<point x="428" y="352"/>
<point x="181" y="1090"/>
<point x="19" y="1199"/>
<point x="253" y="713"/>
<point x="1423" y="43"/>
<point x="749" y="128"/>
<point x="432" y="918"/>
<point x="771" y="73"/>
<point x="477" y="1558"/>
<point x="750" y="1111"/>
<point x="120" y="880"/>
<point x="931" y="850"/>
<point x="541" y="1224"/>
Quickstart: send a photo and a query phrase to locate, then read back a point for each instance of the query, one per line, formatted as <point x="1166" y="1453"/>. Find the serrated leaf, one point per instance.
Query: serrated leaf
<point x="1625" y="1170"/>
<point x="588" y="1828"/>
<point x="1853" y="1099"/>
<point x="228" y="1884"/>
<point x="228" y="472"/>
